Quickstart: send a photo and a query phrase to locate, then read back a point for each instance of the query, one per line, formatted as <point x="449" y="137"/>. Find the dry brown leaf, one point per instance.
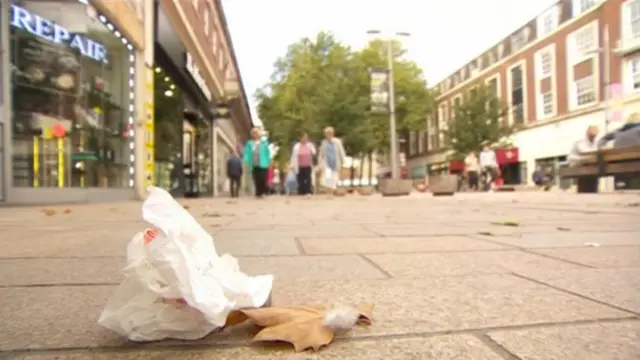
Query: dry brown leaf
<point x="302" y="326"/>
<point x="49" y="212"/>
<point x="186" y="207"/>
<point x="67" y="211"/>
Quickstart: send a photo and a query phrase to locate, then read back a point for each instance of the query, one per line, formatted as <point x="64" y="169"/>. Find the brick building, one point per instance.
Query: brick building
<point x="551" y="72"/>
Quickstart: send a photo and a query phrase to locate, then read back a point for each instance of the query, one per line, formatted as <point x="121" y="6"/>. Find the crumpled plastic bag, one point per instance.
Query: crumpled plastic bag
<point x="176" y="286"/>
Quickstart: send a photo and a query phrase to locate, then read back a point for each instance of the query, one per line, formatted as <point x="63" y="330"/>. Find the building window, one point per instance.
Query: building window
<point x="545" y="64"/>
<point x="547" y="103"/>
<point x="634" y="17"/>
<point x="585" y="41"/>
<point x="73" y="99"/>
<point x="585" y="91"/>
<point x="517" y="94"/>
<point x="518" y="41"/>
<point x="635" y="74"/>
<point x="585" y="5"/>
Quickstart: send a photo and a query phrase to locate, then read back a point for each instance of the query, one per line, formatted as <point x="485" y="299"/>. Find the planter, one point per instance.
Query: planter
<point x="443" y="185"/>
<point x="367" y="190"/>
<point x="340" y="192"/>
<point x="396" y="187"/>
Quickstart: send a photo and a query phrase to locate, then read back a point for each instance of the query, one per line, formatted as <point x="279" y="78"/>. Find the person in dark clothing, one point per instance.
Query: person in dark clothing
<point x="234" y="173"/>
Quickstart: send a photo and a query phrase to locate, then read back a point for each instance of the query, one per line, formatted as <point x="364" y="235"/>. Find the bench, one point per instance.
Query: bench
<point x="605" y="162"/>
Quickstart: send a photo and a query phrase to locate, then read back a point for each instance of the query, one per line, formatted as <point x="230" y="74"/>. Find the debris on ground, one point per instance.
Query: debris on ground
<point x="305" y="326"/>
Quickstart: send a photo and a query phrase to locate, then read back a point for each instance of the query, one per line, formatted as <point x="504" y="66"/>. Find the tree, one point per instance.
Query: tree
<point x="479" y="119"/>
<point x="321" y="83"/>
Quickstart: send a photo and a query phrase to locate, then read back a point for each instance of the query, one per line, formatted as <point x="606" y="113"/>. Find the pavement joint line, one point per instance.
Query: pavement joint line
<point x="584" y="297"/>
<point x="196" y="345"/>
<point x="586" y="212"/>
<point x="376" y="266"/>
<point x="498" y="349"/>
<point x="551" y="257"/>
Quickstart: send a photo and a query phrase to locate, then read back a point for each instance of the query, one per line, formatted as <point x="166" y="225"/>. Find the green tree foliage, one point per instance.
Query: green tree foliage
<point x="321" y="83"/>
<point x="479" y="119"/>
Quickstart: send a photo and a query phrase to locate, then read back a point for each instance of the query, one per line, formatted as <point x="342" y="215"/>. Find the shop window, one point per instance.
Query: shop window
<point x="72" y="98"/>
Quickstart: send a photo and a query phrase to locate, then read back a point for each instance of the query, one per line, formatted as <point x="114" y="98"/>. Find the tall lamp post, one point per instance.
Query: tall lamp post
<point x="393" y="148"/>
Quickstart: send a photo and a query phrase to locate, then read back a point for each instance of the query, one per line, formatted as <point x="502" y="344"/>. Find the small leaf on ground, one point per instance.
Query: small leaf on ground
<point x="67" y="211"/>
<point x="49" y="212"/>
<point x="186" y="207"/>
<point x="506" y="223"/>
<point x="303" y="326"/>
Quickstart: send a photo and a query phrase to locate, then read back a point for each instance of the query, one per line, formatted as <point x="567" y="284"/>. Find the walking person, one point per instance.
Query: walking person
<point x="331" y="157"/>
<point x="234" y="173"/>
<point x="472" y="170"/>
<point x="489" y="166"/>
<point x="257" y="156"/>
<point x="302" y="163"/>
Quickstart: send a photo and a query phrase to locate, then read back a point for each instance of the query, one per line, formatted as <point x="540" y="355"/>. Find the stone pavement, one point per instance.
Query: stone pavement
<point x="447" y="281"/>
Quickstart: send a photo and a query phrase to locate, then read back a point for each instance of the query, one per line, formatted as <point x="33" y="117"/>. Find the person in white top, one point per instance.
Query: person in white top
<point x="586" y="144"/>
<point x="489" y="166"/>
<point x="472" y="170"/>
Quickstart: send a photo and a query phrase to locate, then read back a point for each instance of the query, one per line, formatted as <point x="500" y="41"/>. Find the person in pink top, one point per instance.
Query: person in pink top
<point x="302" y="163"/>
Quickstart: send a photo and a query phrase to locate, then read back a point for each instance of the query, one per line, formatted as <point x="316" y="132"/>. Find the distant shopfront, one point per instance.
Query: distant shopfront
<point x="183" y="117"/>
<point x="71" y="114"/>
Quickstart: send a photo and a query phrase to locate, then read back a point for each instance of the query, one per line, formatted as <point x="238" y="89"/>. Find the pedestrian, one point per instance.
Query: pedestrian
<point x="290" y="184"/>
<point x="331" y="158"/>
<point x="302" y="163"/>
<point x="472" y="170"/>
<point x="276" y="181"/>
<point x="586" y="184"/>
<point x="257" y="156"/>
<point x="234" y="173"/>
<point x="489" y="166"/>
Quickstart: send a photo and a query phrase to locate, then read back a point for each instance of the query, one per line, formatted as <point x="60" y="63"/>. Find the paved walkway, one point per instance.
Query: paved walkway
<point x="447" y="282"/>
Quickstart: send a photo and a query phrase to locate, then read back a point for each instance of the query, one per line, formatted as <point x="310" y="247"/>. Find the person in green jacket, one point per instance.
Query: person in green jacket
<point x="257" y="156"/>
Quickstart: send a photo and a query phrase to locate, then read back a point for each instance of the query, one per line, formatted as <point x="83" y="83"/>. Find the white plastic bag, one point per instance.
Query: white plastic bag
<point x="176" y="285"/>
<point x="328" y="178"/>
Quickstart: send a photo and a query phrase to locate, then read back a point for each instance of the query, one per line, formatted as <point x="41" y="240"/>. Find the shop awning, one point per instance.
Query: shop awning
<point x="507" y="156"/>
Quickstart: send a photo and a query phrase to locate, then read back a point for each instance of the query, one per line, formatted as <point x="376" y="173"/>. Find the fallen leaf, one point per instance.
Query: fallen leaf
<point x="49" y="212"/>
<point x="303" y="326"/>
<point x="560" y="228"/>
<point x="506" y="223"/>
<point x="486" y="233"/>
<point x="186" y="207"/>
<point x="67" y="211"/>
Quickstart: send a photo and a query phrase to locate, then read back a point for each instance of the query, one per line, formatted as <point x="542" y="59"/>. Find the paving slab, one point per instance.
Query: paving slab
<point x="600" y="257"/>
<point x="376" y="245"/>
<point x="448" y="303"/>
<point x="455" y="347"/>
<point x="618" y="287"/>
<point x="565" y="239"/>
<point x="256" y="246"/>
<point x="390" y="229"/>
<point x="65" y="316"/>
<point x="466" y="263"/>
<point x="610" y="341"/>
<point x="292" y="268"/>
<point x="32" y="272"/>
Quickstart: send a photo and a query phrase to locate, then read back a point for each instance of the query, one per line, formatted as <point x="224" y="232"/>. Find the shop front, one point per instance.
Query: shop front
<point x="69" y="104"/>
<point x="183" y="116"/>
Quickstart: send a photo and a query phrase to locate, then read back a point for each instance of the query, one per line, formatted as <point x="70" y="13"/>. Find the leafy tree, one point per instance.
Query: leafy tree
<point x="321" y="83"/>
<point x="479" y="119"/>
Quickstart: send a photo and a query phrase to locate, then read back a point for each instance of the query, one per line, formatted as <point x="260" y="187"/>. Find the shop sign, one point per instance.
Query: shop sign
<point x="193" y="70"/>
<point x="49" y="30"/>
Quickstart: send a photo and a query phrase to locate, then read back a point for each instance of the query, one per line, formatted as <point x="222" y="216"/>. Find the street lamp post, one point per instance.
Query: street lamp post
<point x="393" y="146"/>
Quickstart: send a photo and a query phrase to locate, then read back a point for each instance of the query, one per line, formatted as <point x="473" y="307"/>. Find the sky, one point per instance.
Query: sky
<point x="445" y="34"/>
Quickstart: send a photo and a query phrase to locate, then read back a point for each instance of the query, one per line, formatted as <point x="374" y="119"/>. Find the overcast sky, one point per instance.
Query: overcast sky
<point x="444" y="34"/>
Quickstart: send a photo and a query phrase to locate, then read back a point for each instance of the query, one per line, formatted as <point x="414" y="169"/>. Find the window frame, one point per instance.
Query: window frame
<point x="592" y="92"/>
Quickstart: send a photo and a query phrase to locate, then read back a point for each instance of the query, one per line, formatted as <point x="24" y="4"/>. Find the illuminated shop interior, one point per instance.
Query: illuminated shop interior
<point x="73" y="111"/>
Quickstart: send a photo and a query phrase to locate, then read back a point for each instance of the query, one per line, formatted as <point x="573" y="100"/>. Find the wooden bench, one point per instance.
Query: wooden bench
<point x="606" y="162"/>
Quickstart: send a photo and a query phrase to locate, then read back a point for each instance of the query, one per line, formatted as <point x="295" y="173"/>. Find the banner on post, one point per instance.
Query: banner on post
<point x="380" y="91"/>
<point x="616" y="102"/>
